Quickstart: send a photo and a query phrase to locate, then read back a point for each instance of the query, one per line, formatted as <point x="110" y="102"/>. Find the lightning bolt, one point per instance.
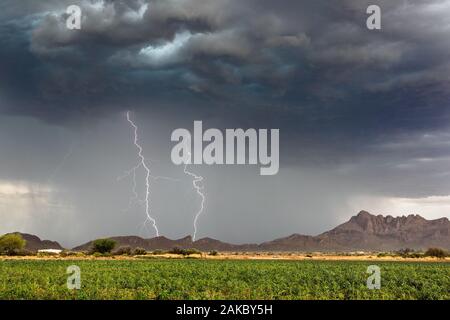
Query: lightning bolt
<point x="195" y="182"/>
<point x="61" y="163"/>
<point x="196" y="179"/>
<point x="135" y="196"/>
<point x="141" y="164"/>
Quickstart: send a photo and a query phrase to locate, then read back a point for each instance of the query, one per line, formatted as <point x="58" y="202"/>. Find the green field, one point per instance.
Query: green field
<point x="221" y="279"/>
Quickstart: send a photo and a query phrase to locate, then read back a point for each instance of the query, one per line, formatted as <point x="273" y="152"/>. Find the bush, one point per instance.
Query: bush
<point x="184" y="252"/>
<point x="67" y="253"/>
<point x="158" y="251"/>
<point x="124" y="250"/>
<point x="213" y="253"/>
<point x="404" y="252"/>
<point x="11" y="243"/>
<point x="408" y="253"/>
<point x="21" y="253"/>
<point x="435" y="252"/>
<point x="176" y="250"/>
<point x="47" y="254"/>
<point x="191" y="251"/>
<point x="139" y="251"/>
<point x="103" y="245"/>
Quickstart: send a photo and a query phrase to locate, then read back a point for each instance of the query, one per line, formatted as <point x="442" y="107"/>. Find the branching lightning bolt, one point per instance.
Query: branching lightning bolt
<point x="135" y="196"/>
<point x="195" y="182"/>
<point x="61" y="163"/>
<point x="148" y="175"/>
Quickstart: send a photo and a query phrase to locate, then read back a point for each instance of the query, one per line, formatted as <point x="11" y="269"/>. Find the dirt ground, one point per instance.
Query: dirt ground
<point x="241" y="256"/>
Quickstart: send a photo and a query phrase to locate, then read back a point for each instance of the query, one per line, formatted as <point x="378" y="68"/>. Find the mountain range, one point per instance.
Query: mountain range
<point x="363" y="232"/>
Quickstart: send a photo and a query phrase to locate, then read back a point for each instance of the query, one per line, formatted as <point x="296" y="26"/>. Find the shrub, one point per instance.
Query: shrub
<point x="21" y="253"/>
<point x="67" y="253"/>
<point x="176" y="250"/>
<point x="100" y="255"/>
<point x="139" y="251"/>
<point x="158" y="251"/>
<point x="103" y="245"/>
<point x="47" y="254"/>
<point x="213" y="253"/>
<point x="191" y="251"/>
<point x="435" y="252"/>
<point x="25" y="252"/>
<point x="11" y="243"/>
<point x="124" y="250"/>
<point x="405" y="252"/>
<point x="184" y="252"/>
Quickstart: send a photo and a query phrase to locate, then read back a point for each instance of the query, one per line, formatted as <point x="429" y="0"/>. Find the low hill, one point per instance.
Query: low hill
<point x="34" y="243"/>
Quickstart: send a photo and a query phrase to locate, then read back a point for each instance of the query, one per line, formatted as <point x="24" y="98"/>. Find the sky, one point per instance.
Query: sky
<point x="364" y="115"/>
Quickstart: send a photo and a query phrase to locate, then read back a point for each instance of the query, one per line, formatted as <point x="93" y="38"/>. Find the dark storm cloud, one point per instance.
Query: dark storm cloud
<point x="250" y="44"/>
<point x="297" y="65"/>
<point x="301" y="54"/>
<point x="315" y="60"/>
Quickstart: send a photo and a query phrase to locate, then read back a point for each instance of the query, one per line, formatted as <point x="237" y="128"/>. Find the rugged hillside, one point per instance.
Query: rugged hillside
<point x="149" y="244"/>
<point x="366" y="231"/>
<point x="164" y="243"/>
<point x="34" y="243"/>
<point x="294" y="242"/>
<point x="362" y="232"/>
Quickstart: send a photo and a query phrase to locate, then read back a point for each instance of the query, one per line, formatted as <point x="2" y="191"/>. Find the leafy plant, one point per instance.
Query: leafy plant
<point x="139" y="251"/>
<point x="124" y="250"/>
<point x="435" y="252"/>
<point x="184" y="252"/>
<point x="11" y="244"/>
<point x="103" y="245"/>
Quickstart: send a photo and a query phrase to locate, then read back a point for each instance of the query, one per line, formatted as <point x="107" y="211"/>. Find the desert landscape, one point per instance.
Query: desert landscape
<point x="363" y="232"/>
<point x="224" y="150"/>
<point x="295" y="267"/>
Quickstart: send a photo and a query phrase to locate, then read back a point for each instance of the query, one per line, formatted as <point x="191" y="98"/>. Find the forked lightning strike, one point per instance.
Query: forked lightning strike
<point x="142" y="164"/>
<point x="196" y="179"/>
<point x="148" y="175"/>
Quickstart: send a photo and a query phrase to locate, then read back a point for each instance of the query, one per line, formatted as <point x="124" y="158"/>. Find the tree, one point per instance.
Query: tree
<point x="11" y="243"/>
<point x="436" y="252"/>
<point x="103" y="245"/>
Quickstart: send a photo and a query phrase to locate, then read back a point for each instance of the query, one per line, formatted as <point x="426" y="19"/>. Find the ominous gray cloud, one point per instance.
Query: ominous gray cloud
<point x="362" y="114"/>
